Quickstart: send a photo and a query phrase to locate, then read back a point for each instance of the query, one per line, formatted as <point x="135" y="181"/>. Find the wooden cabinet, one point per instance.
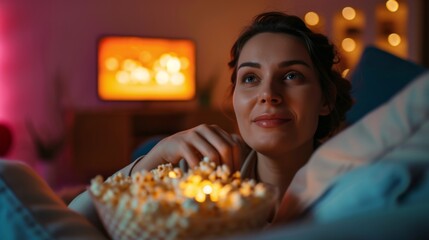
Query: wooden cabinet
<point x="103" y="141"/>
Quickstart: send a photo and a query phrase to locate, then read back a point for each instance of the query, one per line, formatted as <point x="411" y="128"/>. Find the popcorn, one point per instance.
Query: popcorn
<point x="166" y="203"/>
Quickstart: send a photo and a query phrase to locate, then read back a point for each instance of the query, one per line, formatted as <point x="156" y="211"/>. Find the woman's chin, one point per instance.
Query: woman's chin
<point x="271" y="146"/>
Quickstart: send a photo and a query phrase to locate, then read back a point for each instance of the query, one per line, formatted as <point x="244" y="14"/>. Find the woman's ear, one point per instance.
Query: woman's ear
<point x="328" y="104"/>
<point x="325" y="110"/>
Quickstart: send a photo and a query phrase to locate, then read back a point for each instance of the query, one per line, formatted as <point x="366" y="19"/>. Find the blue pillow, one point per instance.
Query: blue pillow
<point x="377" y="77"/>
<point x="373" y="187"/>
<point x="30" y="209"/>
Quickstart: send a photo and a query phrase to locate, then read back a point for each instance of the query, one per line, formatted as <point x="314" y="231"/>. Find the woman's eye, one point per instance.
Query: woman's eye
<point x="249" y="79"/>
<point x="293" y="75"/>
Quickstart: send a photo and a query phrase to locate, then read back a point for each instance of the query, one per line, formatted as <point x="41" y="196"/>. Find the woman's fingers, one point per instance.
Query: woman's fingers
<point x="201" y="147"/>
<point x="234" y="162"/>
<point x="226" y="149"/>
<point x="202" y="141"/>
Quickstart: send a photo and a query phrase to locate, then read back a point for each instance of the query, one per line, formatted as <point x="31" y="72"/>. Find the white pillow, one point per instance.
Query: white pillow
<point x="394" y="131"/>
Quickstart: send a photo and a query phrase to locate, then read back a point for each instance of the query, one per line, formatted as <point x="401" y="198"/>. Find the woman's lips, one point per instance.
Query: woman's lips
<point x="268" y="121"/>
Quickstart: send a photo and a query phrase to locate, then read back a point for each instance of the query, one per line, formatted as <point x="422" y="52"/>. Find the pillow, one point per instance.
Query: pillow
<point x="380" y="75"/>
<point x="31" y="210"/>
<point x="365" y="189"/>
<point x="396" y="131"/>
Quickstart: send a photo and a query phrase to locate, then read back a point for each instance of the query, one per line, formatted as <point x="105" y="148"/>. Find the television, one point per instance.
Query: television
<point x="133" y="68"/>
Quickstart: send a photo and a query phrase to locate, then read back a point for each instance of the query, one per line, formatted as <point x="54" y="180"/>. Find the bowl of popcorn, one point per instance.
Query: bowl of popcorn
<point x="167" y="203"/>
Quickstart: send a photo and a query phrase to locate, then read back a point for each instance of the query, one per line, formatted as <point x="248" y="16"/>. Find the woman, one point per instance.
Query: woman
<point x="286" y="97"/>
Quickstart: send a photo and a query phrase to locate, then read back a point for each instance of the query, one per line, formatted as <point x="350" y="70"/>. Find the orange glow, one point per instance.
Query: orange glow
<point x="135" y="68"/>
<point x="392" y="5"/>
<point x="349" y="13"/>
<point x="394" y="39"/>
<point x="311" y="18"/>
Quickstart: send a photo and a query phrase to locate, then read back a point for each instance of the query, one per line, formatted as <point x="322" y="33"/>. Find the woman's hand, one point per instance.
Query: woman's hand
<point x="196" y="143"/>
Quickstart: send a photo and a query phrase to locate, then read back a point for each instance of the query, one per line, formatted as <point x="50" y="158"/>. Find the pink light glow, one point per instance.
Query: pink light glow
<point x="4" y="96"/>
<point x="4" y="84"/>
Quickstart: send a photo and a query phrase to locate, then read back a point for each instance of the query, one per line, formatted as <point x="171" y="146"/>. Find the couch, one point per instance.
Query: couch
<point x="371" y="181"/>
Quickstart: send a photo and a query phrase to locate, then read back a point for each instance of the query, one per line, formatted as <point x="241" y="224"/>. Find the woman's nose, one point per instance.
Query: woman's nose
<point x="269" y="95"/>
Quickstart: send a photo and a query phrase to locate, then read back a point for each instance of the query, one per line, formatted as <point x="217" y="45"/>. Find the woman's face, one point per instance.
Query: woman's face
<point x="277" y="98"/>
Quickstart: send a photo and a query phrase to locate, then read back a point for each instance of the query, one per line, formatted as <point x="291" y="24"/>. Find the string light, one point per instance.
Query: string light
<point x="311" y="18"/>
<point x="392" y="5"/>
<point x="394" y="39"/>
<point x="345" y="72"/>
<point x="348" y="44"/>
<point x="349" y="13"/>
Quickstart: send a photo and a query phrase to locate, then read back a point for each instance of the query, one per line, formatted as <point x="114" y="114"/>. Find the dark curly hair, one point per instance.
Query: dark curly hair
<point x="335" y="88"/>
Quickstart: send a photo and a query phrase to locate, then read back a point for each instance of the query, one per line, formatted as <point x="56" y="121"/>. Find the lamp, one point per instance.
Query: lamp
<point x="136" y="68"/>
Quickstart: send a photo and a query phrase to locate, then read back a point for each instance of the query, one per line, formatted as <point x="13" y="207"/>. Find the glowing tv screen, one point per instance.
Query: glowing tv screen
<point x="134" y="68"/>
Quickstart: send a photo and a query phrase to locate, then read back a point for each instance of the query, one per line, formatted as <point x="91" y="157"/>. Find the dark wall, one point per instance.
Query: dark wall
<point x="425" y="33"/>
